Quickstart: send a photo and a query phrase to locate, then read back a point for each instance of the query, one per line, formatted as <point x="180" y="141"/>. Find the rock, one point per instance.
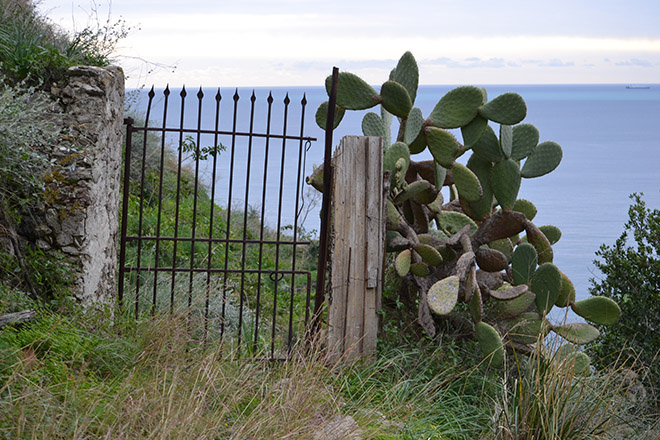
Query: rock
<point x="339" y="428"/>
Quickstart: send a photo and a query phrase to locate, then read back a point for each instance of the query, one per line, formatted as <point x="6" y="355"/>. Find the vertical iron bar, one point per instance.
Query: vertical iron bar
<point x="178" y="195"/>
<point x="161" y="171"/>
<point x="253" y="99"/>
<point x="303" y="103"/>
<point x="193" y="232"/>
<point x="231" y="185"/>
<point x="124" y="211"/>
<point x="143" y="165"/>
<point x="216" y="151"/>
<point x="279" y="226"/>
<point x="261" y="222"/>
<point x="325" y="208"/>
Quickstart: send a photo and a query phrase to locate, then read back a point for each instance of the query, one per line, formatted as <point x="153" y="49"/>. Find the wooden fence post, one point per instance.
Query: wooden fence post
<point x="358" y="217"/>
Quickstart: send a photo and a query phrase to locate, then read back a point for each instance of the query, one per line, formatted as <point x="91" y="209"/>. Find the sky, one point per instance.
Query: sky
<point x="297" y="42"/>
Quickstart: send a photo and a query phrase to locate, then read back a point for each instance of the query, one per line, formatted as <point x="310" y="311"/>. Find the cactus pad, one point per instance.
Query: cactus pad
<point x="490" y="343"/>
<point x="443" y="295"/>
<point x="540" y="242"/>
<point x="353" y="93"/>
<point x="578" y="333"/>
<point x="503" y="245"/>
<point x="457" y="108"/>
<point x="406" y="73"/>
<point x="572" y="361"/>
<point x="413" y="189"/>
<point x="488" y="146"/>
<point x="483" y="207"/>
<point x="475" y="306"/>
<point x="491" y="260"/>
<point x="552" y="233"/>
<point x="528" y="328"/>
<point x="322" y="115"/>
<point x="513" y="307"/>
<point x="523" y="263"/>
<point x="525" y="139"/>
<point x="567" y="292"/>
<point x="402" y="263"/>
<point x="413" y="126"/>
<point x="429" y="254"/>
<point x="505" y="182"/>
<point x="420" y="269"/>
<point x="526" y="207"/>
<point x="452" y="222"/>
<point x="506" y="140"/>
<point x="393" y="154"/>
<point x="466" y="182"/>
<point x="396" y="99"/>
<point x="546" y="284"/>
<point x="542" y="160"/>
<point x="443" y="146"/>
<point x="373" y="125"/>
<point x="598" y="309"/>
<point x="508" y="109"/>
<point x="508" y="292"/>
<point x="473" y="131"/>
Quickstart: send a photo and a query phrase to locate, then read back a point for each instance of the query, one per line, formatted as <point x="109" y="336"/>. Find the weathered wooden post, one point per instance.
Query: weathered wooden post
<point x="358" y="217"/>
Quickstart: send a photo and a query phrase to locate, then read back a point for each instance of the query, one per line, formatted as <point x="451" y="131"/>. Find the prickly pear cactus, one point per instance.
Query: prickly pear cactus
<point x="480" y="247"/>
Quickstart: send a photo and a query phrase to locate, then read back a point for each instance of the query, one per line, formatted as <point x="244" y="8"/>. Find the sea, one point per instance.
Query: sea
<point x="610" y="136"/>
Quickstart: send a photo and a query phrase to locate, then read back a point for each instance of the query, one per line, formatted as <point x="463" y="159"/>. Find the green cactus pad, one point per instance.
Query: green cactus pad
<point x="598" y="309"/>
<point x="457" y="108"/>
<point x="466" y="182"/>
<point x="402" y="263"/>
<point x="419" y="144"/>
<point x="540" y="242"/>
<point x="577" y="333"/>
<point x="387" y="123"/>
<point x="443" y="295"/>
<point x="482" y="168"/>
<point x="488" y="146"/>
<point x="436" y="205"/>
<point x="429" y="254"/>
<point x="508" y="109"/>
<point x="413" y="126"/>
<point x="567" y="292"/>
<point x="443" y="146"/>
<point x="490" y="343"/>
<point x="440" y="174"/>
<point x="475" y="306"/>
<point x="572" y="361"/>
<point x="528" y="328"/>
<point x="525" y="139"/>
<point x="508" y="292"/>
<point x="523" y="263"/>
<point x="526" y="207"/>
<point x="491" y="260"/>
<point x="513" y="307"/>
<point x="413" y="189"/>
<point x="396" y="99"/>
<point x="372" y="125"/>
<point x="394" y="218"/>
<point x="552" y="233"/>
<point x="453" y="222"/>
<point x="505" y="182"/>
<point x="353" y="93"/>
<point x="420" y="269"/>
<point x="506" y="140"/>
<point x="406" y="73"/>
<point x="427" y="197"/>
<point x="322" y="115"/>
<point x="546" y="284"/>
<point x="542" y="160"/>
<point x="473" y="131"/>
<point x="503" y="245"/>
<point x="393" y="154"/>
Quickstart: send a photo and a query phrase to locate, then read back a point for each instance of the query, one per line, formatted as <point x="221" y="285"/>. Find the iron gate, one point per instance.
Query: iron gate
<point x="211" y="218"/>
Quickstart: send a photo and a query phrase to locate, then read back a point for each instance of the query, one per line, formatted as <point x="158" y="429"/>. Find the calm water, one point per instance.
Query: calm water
<point x="609" y="135"/>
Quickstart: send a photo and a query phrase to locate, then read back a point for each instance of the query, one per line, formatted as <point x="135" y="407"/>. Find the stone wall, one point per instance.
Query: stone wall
<point x="80" y="211"/>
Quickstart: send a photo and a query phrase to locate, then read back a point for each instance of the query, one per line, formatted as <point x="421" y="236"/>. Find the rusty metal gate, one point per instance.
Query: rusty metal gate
<point x="211" y="218"/>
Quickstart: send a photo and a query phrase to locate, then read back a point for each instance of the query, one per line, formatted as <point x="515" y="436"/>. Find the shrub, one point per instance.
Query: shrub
<point x="631" y="276"/>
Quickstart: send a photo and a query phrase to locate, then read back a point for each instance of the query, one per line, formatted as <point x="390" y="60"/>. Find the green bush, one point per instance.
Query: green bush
<point x="631" y="276"/>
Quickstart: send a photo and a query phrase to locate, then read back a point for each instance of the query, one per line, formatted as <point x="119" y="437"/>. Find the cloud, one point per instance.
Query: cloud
<point x="635" y="62"/>
<point x="471" y="63"/>
<point x="557" y="63"/>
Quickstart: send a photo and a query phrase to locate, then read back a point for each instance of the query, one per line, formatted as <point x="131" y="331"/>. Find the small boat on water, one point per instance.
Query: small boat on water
<point x="638" y="87"/>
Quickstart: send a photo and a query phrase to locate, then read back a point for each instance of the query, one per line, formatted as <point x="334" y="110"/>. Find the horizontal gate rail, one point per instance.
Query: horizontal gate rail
<point x="187" y="246"/>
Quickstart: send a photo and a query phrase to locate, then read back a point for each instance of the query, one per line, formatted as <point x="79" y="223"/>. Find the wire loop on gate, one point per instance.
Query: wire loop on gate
<point x="308" y="146"/>
<point x="276" y="276"/>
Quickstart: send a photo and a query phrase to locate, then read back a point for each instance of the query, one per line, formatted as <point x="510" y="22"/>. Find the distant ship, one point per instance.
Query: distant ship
<point x="638" y="87"/>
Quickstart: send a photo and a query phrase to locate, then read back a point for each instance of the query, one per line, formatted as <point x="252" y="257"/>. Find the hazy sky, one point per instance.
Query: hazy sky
<point x="297" y="42"/>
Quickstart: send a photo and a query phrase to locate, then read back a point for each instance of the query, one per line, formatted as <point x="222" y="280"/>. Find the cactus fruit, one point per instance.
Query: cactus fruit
<point x="598" y="309"/>
<point x="482" y="221"/>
